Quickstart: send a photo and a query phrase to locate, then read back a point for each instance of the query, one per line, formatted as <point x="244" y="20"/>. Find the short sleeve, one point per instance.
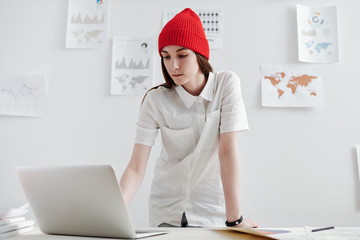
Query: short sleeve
<point x="233" y="115"/>
<point x="147" y="126"/>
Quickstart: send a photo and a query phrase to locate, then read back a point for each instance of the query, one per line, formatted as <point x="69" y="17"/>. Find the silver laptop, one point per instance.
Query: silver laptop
<point x="78" y="200"/>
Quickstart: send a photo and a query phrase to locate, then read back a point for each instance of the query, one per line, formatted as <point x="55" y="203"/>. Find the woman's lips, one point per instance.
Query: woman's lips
<point x="177" y="75"/>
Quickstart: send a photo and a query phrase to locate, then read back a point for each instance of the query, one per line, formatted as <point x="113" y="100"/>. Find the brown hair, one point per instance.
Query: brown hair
<point x="204" y="66"/>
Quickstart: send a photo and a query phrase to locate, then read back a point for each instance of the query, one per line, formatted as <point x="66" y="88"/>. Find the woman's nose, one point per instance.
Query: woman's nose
<point x="174" y="64"/>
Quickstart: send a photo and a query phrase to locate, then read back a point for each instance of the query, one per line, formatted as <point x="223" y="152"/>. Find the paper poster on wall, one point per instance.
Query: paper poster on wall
<point x="86" y="23"/>
<point x="132" y="64"/>
<point x="291" y="86"/>
<point x="23" y="95"/>
<point x="358" y="158"/>
<point x="317" y="34"/>
<point x="211" y="20"/>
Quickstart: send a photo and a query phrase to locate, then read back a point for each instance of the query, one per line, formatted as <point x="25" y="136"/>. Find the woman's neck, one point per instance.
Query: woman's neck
<point x="195" y="86"/>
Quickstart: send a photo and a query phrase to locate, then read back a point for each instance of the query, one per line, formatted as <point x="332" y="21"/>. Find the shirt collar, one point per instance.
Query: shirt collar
<point x="186" y="97"/>
<point x="207" y="93"/>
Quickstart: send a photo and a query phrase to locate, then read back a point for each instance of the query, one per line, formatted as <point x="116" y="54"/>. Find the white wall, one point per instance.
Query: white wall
<point x="298" y="166"/>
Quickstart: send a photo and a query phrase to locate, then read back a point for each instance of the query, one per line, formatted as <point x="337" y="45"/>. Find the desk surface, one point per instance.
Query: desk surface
<point x="209" y="234"/>
<point x="172" y="234"/>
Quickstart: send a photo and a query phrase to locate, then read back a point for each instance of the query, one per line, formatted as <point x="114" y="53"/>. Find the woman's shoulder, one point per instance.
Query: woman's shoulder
<point x="220" y="75"/>
<point x="157" y="93"/>
<point x="226" y="79"/>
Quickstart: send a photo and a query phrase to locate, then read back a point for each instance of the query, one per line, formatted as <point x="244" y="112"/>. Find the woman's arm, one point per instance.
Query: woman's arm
<point x="135" y="171"/>
<point x="230" y="177"/>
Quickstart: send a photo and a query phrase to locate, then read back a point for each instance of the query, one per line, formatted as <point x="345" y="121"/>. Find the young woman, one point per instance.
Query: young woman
<point x="198" y="112"/>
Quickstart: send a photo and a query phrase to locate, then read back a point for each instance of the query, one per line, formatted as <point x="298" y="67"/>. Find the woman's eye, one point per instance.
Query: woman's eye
<point x="182" y="55"/>
<point x="166" y="57"/>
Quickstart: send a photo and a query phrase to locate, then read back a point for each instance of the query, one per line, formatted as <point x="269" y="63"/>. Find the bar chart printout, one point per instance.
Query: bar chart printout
<point x="86" y="23"/>
<point x="131" y="72"/>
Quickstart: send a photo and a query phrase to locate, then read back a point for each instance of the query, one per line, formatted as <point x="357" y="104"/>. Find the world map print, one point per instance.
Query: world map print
<point x="291" y="86"/>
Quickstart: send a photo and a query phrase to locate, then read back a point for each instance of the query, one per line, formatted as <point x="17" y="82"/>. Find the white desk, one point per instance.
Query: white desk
<point x="173" y="234"/>
<point x="210" y="234"/>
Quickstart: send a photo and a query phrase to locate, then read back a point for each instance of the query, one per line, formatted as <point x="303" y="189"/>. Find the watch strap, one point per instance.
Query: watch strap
<point x="231" y="224"/>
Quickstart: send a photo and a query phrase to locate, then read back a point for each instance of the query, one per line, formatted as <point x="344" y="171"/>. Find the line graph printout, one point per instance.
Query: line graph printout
<point x="132" y="64"/>
<point x="86" y="23"/>
<point x="23" y="95"/>
<point x="317" y="34"/>
<point x="211" y="20"/>
<point x="291" y="86"/>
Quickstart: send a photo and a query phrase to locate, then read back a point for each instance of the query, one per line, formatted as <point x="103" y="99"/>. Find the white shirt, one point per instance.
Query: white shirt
<point x="187" y="173"/>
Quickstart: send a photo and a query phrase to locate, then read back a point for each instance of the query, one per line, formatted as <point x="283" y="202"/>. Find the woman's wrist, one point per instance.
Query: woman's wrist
<point x="234" y="223"/>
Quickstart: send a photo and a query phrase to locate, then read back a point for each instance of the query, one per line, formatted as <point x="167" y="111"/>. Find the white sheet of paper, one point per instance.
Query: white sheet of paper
<point x="86" y="23"/>
<point x="23" y="95"/>
<point x="317" y="34"/>
<point x="14" y="212"/>
<point x="358" y="158"/>
<point x="291" y="86"/>
<point x="132" y="65"/>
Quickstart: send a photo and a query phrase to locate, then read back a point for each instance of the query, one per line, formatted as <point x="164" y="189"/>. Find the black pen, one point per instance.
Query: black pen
<point x="322" y="229"/>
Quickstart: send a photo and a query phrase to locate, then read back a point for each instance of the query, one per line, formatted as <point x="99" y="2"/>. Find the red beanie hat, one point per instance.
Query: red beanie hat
<point x="185" y="30"/>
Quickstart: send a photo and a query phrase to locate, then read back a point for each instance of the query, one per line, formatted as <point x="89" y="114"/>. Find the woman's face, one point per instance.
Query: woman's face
<point x="182" y="65"/>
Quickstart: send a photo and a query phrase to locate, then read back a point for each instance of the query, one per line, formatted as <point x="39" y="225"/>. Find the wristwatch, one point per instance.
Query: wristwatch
<point x="231" y="224"/>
